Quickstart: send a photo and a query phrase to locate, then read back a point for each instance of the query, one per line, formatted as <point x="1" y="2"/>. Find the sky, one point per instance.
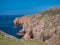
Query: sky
<point x="23" y="7"/>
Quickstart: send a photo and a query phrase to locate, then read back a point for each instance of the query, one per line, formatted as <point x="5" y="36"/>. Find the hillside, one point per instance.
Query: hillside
<point x="6" y="39"/>
<point x="44" y="26"/>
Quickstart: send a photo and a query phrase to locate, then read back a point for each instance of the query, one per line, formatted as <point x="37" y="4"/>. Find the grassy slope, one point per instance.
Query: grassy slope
<point x="8" y="41"/>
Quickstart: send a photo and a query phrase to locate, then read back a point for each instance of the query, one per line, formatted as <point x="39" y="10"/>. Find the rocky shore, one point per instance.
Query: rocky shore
<point x="44" y="26"/>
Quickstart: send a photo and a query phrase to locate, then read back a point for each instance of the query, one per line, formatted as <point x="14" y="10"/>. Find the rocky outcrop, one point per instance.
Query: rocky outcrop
<point x="43" y="26"/>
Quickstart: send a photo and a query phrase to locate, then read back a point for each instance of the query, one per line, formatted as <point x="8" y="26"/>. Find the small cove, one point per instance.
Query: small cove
<point x="7" y="25"/>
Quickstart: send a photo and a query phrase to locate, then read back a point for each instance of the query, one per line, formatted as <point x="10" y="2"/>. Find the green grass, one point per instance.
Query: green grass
<point x="34" y="42"/>
<point x="6" y="41"/>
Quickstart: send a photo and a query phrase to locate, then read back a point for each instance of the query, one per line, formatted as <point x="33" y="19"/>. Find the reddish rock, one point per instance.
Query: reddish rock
<point x="47" y="23"/>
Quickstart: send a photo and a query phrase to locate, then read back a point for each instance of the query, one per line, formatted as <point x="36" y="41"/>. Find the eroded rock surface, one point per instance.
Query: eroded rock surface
<point x="43" y="26"/>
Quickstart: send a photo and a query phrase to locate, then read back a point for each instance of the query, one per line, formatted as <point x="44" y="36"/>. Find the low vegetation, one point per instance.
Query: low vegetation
<point x="6" y="41"/>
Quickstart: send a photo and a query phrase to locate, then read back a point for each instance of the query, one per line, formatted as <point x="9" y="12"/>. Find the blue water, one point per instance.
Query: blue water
<point x="7" y="25"/>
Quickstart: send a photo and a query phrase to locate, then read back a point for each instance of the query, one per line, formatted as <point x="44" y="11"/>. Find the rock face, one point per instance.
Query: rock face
<point x="43" y="26"/>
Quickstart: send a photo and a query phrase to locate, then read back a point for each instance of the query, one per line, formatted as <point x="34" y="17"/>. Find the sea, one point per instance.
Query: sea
<point x="7" y="25"/>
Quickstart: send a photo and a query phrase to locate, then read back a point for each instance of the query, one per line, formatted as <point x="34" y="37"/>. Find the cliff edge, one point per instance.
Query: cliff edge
<point x="44" y="26"/>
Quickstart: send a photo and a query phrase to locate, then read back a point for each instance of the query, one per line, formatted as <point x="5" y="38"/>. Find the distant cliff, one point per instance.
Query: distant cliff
<point x="44" y="26"/>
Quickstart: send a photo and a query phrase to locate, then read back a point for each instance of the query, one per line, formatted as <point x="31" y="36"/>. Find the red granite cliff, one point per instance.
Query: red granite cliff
<point x="44" y="26"/>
